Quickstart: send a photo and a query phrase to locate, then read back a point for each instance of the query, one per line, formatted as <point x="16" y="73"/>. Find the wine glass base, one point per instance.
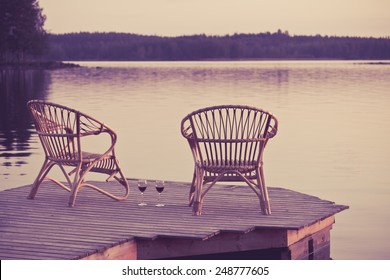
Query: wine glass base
<point x="142" y="204"/>
<point x="160" y="205"/>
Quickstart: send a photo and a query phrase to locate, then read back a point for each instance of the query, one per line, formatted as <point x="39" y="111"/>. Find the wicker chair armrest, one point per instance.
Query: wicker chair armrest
<point x="89" y="126"/>
<point x="94" y="132"/>
<point x="273" y="129"/>
<point x="186" y="129"/>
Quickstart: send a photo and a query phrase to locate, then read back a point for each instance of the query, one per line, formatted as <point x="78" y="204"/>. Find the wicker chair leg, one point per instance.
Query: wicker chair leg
<point x="264" y="201"/>
<point x="197" y="208"/>
<point x="46" y="166"/>
<point x="79" y="183"/>
<point x="72" y="197"/>
<point x="76" y="184"/>
<point x="198" y="199"/>
<point x="191" y="195"/>
<point x="123" y="181"/>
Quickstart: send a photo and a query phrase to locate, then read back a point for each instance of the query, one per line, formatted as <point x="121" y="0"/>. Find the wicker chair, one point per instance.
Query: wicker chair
<point x="227" y="144"/>
<point x="61" y="131"/>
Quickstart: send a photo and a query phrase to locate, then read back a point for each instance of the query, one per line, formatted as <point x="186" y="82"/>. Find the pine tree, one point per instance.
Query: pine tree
<point x="22" y="34"/>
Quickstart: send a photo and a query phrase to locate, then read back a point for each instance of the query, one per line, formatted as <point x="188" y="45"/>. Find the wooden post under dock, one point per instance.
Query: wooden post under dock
<point x="231" y="227"/>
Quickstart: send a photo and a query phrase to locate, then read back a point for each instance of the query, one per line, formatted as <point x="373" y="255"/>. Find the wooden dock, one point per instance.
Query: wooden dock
<point x="231" y="227"/>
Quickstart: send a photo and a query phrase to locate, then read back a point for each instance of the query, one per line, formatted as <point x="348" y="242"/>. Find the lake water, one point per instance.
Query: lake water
<point x="333" y="140"/>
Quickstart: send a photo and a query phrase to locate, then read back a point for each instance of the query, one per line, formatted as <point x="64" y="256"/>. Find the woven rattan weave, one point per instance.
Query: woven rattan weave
<point x="227" y="144"/>
<point x="61" y="131"/>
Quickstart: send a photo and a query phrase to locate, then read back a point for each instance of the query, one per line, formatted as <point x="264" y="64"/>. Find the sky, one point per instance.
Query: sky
<point x="363" y="18"/>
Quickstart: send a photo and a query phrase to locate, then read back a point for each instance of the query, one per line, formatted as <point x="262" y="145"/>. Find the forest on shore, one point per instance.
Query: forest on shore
<point x="279" y="45"/>
<point x="24" y="41"/>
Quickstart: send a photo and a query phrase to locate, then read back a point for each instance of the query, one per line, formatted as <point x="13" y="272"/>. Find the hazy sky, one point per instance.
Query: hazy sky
<point x="220" y="17"/>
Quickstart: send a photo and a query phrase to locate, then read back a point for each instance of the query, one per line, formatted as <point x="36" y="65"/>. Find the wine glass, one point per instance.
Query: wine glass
<point x="160" y="188"/>
<point x="142" y="185"/>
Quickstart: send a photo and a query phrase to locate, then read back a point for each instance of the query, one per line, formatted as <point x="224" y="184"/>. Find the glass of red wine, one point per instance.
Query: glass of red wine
<point x="160" y="188"/>
<point x="142" y="185"/>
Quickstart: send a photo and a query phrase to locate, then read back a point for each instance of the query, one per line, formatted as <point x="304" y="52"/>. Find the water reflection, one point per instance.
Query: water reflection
<point x="332" y="142"/>
<point x="17" y="86"/>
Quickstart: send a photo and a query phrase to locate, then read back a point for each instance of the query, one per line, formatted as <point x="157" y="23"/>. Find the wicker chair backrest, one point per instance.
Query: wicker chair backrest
<point x="228" y="135"/>
<point x="60" y="129"/>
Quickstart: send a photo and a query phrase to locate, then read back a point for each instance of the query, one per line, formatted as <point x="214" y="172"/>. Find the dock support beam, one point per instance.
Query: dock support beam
<point x="311" y="242"/>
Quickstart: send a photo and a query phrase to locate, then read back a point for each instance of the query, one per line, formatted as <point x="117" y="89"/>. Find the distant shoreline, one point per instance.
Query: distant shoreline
<point x="45" y="65"/>
<point x="375" y="63"/>
<point x="53" y="65"/>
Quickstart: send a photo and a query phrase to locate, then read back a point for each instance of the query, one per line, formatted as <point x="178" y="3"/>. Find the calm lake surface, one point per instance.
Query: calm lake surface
<point x="333" y="140"/>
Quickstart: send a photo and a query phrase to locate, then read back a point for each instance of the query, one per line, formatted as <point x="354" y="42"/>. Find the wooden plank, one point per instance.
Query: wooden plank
<point x="222" y="243"/>
<point x="255" y="240"/>
<point x="294" y="236"/>
<point x="315" y="246"/>
<point x="105" y="228"/>
<point x="125" y="251"/>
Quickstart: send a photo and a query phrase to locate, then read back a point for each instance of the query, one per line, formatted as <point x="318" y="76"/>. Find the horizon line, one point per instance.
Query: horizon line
<point x="286" y="32"/>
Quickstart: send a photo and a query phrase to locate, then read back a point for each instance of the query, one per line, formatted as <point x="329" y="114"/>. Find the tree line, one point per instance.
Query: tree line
<point x="23" y="38"/>
<point x="278" y="45"/>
